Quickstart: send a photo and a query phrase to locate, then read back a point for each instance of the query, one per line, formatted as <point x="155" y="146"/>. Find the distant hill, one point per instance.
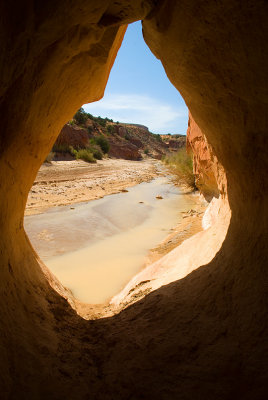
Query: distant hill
<point x="86" y="134"/>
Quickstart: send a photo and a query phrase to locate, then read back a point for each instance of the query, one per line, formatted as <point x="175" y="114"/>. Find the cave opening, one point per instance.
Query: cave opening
<point x="203" y="334"/>
<point x="96" y="248"/>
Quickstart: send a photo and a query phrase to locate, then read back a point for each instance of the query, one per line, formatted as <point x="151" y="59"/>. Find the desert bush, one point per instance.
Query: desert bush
<point x="146" y="151"/>
<point x="102" y="142"/>
<point x="62" y="148"/>
<point x="84" y="154"/>
<point x="90" y="129"/>
<point x="157" y="137"/>
<point x="182" y="165"/>
<point x="97" y="154"/>
<point x="80" y="116"/>
<point x="101" y="121"/>
<point x="110" y="129"/>
<point x="90" y="116"/>
<point x="96" y="151"/>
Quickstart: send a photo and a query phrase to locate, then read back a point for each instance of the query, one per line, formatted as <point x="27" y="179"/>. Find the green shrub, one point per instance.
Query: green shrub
<point x="110" y="129"/>
<point x="84" y="154"/>
<point x="101" y="121"/>
<point x="102" y="142"/>
<point x="182" y="164"/>
<point x="81" y="116"/>
<point x="72" y="151"/>
<point x="97" y="154"/>
<point x="146" y="151"/>
<point x="157" y="137"/>
<point x="90" y="116"/>
<point x="96" y="151"/>
<point x="61" y="148"/>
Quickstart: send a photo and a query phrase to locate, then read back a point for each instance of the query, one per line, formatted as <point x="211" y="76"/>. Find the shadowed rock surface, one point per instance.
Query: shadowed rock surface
<point x="203" y="336"/>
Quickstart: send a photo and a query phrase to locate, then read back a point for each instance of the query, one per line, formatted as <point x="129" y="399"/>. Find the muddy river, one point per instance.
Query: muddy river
<point x="95" y="248"/>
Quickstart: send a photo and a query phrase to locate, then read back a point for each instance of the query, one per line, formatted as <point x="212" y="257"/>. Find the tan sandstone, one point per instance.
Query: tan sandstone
<point x="202" y="335"/>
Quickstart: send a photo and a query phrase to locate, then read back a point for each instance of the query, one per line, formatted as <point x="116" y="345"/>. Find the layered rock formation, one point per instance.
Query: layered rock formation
<point x="204" y="335"/>
<point x="127" y="141"/>
<point x="122" y="149"/>
<point x="210" y="177"/>
<point x="139" y="136"/>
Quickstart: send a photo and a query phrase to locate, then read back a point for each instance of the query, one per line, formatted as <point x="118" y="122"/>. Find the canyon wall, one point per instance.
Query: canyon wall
<point x="210" y="177"/>
<point x="203" y="335"/>
<point x="127" y="141"/>
<point x="72" y="135"/>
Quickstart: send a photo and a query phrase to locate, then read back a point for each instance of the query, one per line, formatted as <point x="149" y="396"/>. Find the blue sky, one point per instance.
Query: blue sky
<point x="138" y="90"/>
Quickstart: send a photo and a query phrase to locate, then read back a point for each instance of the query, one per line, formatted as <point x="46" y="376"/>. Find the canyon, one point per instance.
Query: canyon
<point x="202" y="332"/>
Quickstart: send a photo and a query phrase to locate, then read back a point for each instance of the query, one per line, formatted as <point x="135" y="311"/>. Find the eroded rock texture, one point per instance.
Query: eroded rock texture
<point x="73" y="136"/>
<point x="203" y="336"/>
<point x="121" y="149"/>
<point x="210" y="177"/>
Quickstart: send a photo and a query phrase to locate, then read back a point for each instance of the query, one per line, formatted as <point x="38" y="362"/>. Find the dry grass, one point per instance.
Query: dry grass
<point x="84" y="154"/>
<point x="182" y="166"/>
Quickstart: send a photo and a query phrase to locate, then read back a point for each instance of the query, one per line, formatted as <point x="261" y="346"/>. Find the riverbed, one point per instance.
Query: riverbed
<point x="95" y="248"/>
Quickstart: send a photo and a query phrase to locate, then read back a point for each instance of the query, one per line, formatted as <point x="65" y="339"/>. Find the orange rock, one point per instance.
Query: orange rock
<point x="202" y="335"/>
<point x="209" y="173"/>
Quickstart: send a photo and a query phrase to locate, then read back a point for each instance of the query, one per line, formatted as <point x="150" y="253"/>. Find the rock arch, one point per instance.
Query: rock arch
<point x="203" y="336"/>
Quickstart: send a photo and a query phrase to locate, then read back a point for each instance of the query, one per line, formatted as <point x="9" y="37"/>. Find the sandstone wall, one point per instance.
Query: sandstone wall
<point x="210" y="177"/>
<point x="203" y="335"/>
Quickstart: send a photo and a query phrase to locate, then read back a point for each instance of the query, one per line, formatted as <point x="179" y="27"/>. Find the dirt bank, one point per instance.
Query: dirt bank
<point x="68" y="182"/>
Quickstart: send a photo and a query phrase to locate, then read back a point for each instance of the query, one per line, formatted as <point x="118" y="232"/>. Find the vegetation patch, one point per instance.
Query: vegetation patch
<point x="89" y="154"/>
<point x="81" y="116"/>
<point x="157" y="137"/>
<point x="84" y="154"/>
<point x="102" y="142"/>
<point x="110" y="129"/>
<point x="182" y="166"/>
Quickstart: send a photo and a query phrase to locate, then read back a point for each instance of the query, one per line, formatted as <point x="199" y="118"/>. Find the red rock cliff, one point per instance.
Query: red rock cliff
<point x="209" y="174"/>
<point x="73" y="136"/>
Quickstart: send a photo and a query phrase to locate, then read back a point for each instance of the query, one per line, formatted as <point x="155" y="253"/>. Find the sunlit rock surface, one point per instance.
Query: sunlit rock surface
<point x="202" y="336"/>
<point x="72" y="136"/>
<point x="210" y="177"/>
